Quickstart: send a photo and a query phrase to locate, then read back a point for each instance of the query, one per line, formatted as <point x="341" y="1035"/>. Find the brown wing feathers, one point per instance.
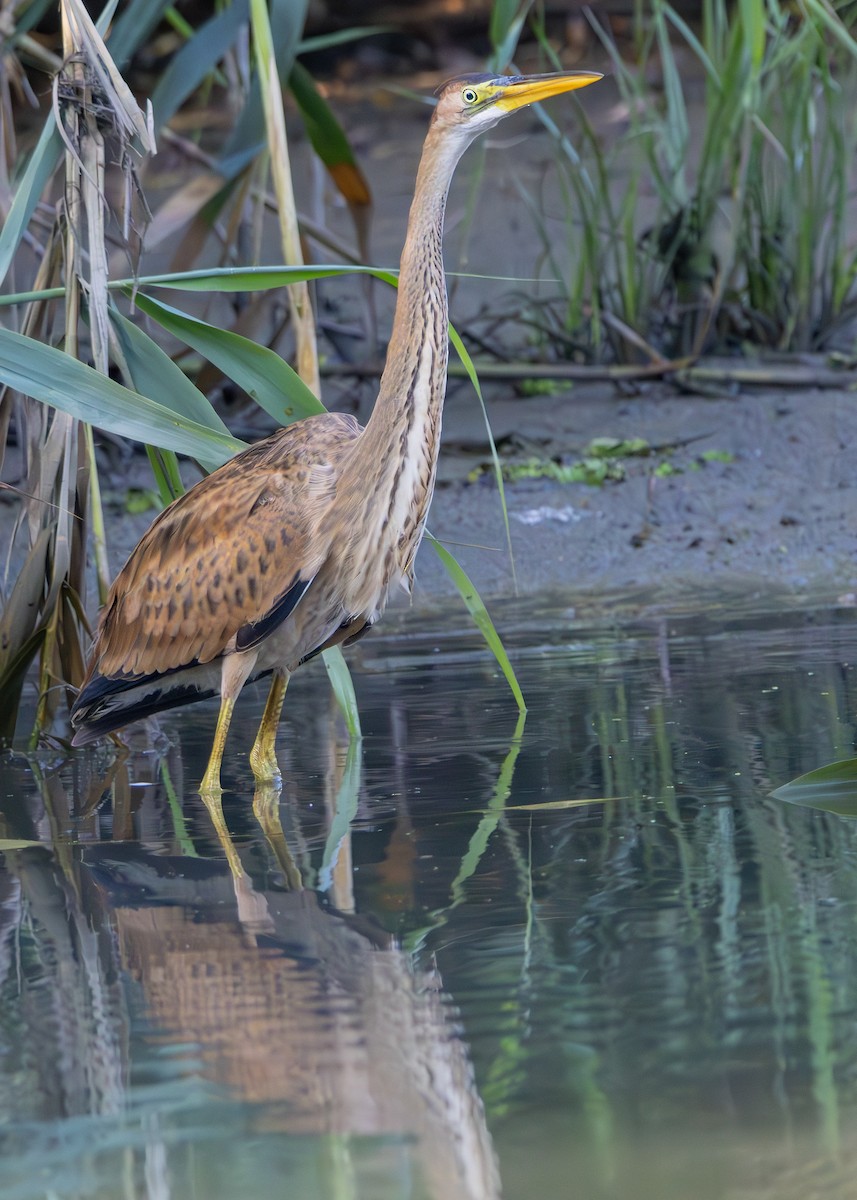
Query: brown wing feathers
<point x="235" y="551"/>
<point x="200" y="573"/>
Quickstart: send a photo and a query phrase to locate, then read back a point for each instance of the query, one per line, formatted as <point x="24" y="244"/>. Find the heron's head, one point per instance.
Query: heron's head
<point x="472" y="103"/>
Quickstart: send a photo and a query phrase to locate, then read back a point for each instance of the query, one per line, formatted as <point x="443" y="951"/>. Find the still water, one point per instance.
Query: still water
<point x="583" y="956"/>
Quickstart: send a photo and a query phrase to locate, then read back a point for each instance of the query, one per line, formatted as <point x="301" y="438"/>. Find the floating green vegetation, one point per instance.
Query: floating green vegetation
<point x="593" y="471"/>
<point x="603" y="461"/>
<point x="606" y="447"/>
<point x="542" y="387"/>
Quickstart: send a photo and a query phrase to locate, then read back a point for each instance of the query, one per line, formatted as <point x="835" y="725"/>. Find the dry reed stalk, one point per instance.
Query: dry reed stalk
<point x="299" y="298"/>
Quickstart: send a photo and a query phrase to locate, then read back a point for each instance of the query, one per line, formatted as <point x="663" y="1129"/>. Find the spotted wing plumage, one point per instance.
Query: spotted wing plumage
<point x="231" y="556"/>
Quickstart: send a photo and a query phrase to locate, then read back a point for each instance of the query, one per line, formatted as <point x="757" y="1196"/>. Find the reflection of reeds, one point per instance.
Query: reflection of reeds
<point x="663" y="920"/>
<point x="649" y="930"/>
<point x="680" y="958"/>
<point x="58" y="976"/>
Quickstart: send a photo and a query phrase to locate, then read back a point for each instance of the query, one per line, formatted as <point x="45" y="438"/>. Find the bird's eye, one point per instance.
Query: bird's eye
<point x="469" y="95"/>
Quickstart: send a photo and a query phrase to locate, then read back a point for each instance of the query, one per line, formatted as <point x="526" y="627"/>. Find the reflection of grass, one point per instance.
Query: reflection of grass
<point x="491" y="818"/>
<point x="488" y="824"/>
<point x="344" y="812"/>
<point x="183" y="839"/>
<point x="669" y="952"/>
<point x="696" y="936"/>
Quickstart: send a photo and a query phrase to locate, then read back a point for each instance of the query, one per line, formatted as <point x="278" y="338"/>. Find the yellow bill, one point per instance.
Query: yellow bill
<point x="518" y="90"/>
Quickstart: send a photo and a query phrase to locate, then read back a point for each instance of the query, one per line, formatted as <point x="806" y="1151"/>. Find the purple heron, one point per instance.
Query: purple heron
<point x="294" y="545"/>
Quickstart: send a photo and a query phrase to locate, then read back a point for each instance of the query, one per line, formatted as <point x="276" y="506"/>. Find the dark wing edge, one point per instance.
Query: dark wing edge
<point x="252" y="635"/>
<point x="107" y="703"/>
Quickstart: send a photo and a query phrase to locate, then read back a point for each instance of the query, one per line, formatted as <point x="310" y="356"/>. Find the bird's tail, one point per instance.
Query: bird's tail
<point x="107" y="703"/>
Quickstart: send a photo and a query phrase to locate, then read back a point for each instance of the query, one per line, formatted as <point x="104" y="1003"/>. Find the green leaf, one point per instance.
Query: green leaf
<point x="326" y="41"/>
<point x="752" y="16"/>
<point x="259" y="371"/>
<point x="328" y="137"/>
<point x="832" y="788"/>
<point x="41" y="166"/>
<point x="12" y="682"/>
<point x="507" y="20"/>
<point x="133" y="27"/>
<point x="469" y="367"/>
<point x="252" y="279"/>
<point x="57" y="379"/>
<point x="27" y="18"/>
<point x="21" y="633"/>
<point x="22" y="607"/>
<point x="493" y="812"/>
<point x="247" y="139"/>
<point x="218" y="279"/>
<point x="343" y="688"/>
<point x="479" y="613"/>
<point x="153" y="373"/>
<point x="196" y="60"/>
<point x="827" y="16"/>
<point x="694" y="43"/>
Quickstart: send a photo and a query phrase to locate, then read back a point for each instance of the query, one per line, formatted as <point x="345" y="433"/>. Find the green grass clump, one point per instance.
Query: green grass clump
<point x="732" y="222"/>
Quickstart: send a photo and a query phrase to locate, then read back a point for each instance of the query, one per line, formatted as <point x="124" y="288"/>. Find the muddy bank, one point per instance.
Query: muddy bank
<point x="758" y="491"/>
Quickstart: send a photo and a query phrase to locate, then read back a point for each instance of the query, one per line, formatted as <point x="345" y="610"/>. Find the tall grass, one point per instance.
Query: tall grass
<point x="732" y="225"/>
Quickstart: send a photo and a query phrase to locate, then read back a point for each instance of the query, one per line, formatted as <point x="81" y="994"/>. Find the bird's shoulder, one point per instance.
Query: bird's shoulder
<point x="295" y="469"/>
<point x="323" y="438"/>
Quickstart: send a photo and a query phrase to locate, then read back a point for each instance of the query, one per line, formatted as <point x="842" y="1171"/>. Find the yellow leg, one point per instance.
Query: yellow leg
<point x="263" y="759"/>
<point x="211" y="778"/>
<point x="235" y="672"/>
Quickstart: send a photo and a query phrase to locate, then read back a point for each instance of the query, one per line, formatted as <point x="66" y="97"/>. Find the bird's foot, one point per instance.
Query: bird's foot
<point x="210" y="785"/>
<point x="265" y="768"/>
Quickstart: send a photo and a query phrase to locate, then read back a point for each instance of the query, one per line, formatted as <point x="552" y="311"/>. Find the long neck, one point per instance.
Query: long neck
<point x="421" y="322"/>
<point x="397" y="452"/>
